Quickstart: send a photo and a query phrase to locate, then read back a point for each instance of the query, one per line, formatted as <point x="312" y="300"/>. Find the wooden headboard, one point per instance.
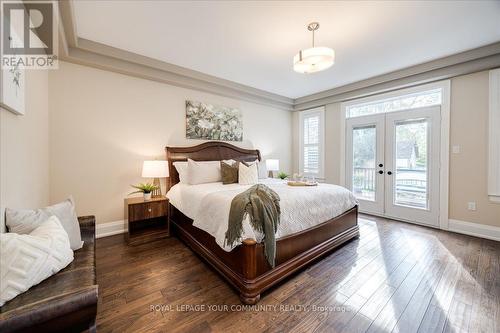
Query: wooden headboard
<point x="208" y="151"/>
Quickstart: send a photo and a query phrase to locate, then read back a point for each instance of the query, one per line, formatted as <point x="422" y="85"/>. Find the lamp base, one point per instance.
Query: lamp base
<point x="157" y="193"/>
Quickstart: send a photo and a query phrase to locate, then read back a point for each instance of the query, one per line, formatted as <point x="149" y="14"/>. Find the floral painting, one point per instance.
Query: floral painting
<point x="212" y="122"/>
<point x="12" y="87"/>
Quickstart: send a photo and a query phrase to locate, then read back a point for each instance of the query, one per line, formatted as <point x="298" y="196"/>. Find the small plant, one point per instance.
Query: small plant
<point x="282" y="175"/>
<point x="144" y="188"/>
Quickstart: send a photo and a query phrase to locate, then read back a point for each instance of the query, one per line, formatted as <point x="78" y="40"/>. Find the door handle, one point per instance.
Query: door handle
<point x="389" y="173"/>
<point x="380" y="165"/>
<point x="380" y="172"/>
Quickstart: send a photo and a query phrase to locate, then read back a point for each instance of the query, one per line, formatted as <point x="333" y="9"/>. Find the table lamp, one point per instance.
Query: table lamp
<point x="156" y="170"/>
<point x="272" y="165"/>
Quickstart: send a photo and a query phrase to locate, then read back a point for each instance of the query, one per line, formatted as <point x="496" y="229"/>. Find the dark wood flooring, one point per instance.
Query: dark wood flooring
<point x="396" y="277"/>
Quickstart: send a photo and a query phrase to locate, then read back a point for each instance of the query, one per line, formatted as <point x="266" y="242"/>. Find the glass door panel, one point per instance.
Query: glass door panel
<point x="411" y="164"/>
<point x="363" y="167"/>
<point x="364" y="162"/>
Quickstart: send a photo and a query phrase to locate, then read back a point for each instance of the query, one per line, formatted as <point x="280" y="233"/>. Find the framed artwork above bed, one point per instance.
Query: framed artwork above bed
<point x="212" y="122"/>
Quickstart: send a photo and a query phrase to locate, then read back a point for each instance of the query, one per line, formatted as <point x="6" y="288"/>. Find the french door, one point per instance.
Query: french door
<point x="392" y="163"/>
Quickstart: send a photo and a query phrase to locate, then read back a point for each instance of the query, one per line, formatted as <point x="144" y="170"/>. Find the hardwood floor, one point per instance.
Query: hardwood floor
<point x="396" y="277"/>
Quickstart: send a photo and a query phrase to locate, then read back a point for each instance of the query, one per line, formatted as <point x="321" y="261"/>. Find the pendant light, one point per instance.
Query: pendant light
<point x="314" y="59"/>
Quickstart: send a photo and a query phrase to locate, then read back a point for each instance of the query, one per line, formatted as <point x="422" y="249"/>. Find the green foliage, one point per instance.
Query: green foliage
<point x="144" y="188"/>
<point x="282" y="175"/>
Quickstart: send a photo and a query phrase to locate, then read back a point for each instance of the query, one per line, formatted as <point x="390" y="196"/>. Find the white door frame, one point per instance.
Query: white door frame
<point x="424" y="216"/>
<point x="445" y="139"/>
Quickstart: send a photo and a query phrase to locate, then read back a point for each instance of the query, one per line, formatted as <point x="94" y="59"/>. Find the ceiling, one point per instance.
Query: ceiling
<point x="253" y="42"/>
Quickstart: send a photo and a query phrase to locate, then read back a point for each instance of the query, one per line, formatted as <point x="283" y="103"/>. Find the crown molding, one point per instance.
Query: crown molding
<point x="67" y="18"/>
<point x="106" y="57"/>
<point x="111" y="59"/>
<point x="89" y="53"/>
<point x="475" y="60"/>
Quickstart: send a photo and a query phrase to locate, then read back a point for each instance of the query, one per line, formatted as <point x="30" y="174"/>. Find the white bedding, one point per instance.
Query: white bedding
<point x="208" y="206"/>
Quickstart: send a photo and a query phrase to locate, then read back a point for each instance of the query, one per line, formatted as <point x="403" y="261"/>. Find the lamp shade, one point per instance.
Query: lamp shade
<point x="272" y="165"/>
<point x="314" y="59"/>
<point x="155" y="169"/>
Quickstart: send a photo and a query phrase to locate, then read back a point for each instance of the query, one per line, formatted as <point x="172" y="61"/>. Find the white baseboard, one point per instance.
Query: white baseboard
<point x="111" y="228"/>
<point x="475" y="229"/>
<point x="462" y="227"/>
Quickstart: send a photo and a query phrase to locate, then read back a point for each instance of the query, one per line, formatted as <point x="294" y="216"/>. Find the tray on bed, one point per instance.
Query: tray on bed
<point x="301" y="183"/>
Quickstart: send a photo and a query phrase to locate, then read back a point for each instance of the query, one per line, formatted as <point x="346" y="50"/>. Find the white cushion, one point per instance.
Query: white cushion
<point x="24" y="221"/>
<point x="27" y="260"/>
<point x="248" y="175"/>
<point x="204" y="172"/>
<point x="182" y="170"/>
<point x="263" y="174"/>
<point x="229" y="162"/>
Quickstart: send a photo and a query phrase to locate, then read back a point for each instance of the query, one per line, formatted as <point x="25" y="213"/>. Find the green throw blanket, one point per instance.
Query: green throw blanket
<point x="262" y="205"/>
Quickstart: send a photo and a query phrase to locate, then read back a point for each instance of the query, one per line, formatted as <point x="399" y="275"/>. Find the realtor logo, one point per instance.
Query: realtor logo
<point x="29" y="34"/>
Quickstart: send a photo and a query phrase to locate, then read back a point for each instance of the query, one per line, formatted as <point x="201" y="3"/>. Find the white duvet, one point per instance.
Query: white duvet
<point x="208" y="206"/>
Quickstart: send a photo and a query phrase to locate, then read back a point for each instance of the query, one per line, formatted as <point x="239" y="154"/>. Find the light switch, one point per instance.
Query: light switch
<point x="455" y="149"/>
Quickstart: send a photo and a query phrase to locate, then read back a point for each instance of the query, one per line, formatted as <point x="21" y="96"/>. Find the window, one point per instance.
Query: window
<point x="397" y="103"/>
<point x="312" y="136"/>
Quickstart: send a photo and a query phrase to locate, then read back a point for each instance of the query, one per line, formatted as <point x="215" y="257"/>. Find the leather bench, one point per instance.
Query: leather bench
<point x="66" y="301"/>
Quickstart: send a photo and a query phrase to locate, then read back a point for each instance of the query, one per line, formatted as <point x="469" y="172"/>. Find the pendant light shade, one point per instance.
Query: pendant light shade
<point x="313" y="59"/>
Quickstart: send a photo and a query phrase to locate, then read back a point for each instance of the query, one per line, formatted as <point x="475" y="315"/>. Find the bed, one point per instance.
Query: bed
<point x="244" y="266"/>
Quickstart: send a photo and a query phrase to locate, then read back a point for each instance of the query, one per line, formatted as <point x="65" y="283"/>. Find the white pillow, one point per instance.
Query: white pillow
<point x="229" y="162"/>
<point x="24" y="221"/>
<point x="182" y="170"/>
<point x="248" y="175"/>
<point x="204" y="172"/>
<point x="263" y="174"/>
<point x="27" y="260"/>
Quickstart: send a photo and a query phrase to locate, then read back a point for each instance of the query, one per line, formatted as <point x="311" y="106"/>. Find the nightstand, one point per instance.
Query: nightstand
<point x="147" y="220"/>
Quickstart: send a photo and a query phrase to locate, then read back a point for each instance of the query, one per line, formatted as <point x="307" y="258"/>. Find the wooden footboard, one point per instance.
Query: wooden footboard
<point x="246" y="267"/>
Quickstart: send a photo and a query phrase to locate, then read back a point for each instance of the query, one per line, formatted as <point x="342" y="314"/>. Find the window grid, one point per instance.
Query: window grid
<point x="402" y="102"/>
<point x="311" y="151"/>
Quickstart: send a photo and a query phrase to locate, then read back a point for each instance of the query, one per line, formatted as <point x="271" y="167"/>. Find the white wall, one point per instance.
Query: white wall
<point x="24" y="149"/>
<point x="103" y="125"/>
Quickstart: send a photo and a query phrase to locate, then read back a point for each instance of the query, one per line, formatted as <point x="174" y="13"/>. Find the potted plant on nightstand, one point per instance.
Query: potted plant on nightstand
<point x="282" y="175"/>
<point x="145" y="189"/>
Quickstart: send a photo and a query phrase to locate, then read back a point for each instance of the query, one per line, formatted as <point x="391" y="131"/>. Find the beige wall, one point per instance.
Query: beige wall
<point x="24" y="149"/>
<point x="468" y="129"/>
<point x="469" y="168"/>
<point x="103" y="125"/>
<point x="332" y="146"/>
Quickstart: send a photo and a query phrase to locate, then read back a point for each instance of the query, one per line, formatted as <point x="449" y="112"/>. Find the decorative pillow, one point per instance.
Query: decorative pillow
<point x="24" y="221"/>
<point x="229" y="172"/>
<point x="204" y="172"/>
<point x="263" y="174"/>
<point x="248" y="173"/>
<point x="27" y="260"/>
<point x="182" y="170"/>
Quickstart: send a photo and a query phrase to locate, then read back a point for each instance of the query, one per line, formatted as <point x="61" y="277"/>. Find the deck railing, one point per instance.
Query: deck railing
<point x="364" y="179"/>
